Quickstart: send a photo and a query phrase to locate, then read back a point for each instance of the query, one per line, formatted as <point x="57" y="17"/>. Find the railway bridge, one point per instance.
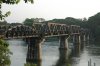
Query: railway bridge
<point x="36" y="34"/>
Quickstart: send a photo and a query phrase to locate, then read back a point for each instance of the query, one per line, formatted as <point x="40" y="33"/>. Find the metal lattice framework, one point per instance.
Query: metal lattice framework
<point x="39" y="29"/>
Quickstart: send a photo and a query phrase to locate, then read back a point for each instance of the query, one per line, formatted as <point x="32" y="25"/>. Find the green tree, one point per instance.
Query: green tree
<point x="94" y="25"/>
<point x="30" y="64"/>
<point x="71" y="21"/>
<point x="4" y="53"/>
<point x="14" y="1"/>
<point x="11" y="2"/>
<point x="28" y="22"/>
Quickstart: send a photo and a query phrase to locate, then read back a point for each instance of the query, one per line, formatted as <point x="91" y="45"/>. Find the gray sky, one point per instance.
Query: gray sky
<point x="50" y="9"/>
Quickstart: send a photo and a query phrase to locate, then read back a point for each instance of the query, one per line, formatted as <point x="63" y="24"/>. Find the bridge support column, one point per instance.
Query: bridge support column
<point x="76" y="39"/>
<point x="34" y="50"/>
<point x="77" y="42"/>
<point x="76" y="45"/>
<point x="84" y="37"/>
<point x="63" y="42"/>
<point x="88" y="37"/>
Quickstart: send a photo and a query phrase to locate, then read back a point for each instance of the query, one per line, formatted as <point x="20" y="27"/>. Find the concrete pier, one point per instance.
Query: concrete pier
<point x="77" y="42"/>
<point x="34" y="50"/>
<point x="63" y="42"/>
<point x="76" y="39"/>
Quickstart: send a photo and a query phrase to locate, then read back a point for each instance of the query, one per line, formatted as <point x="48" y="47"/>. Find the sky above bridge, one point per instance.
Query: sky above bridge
<point x="51" y="9"/>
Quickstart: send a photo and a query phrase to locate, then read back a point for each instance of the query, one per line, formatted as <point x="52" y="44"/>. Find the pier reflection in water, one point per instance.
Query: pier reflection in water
<point x="62" y="61"/>
<point x="64" y="56"/>
<point x="49" y="54"/>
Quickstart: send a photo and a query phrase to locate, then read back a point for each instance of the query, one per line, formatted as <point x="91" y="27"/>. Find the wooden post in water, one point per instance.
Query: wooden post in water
<point x="90" y="63"/>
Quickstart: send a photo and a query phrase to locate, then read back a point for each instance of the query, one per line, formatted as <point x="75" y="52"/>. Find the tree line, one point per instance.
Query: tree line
<point x="92" y="23"/>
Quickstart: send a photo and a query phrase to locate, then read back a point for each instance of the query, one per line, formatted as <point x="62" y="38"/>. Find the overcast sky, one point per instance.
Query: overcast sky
<point x="50" y="9"/>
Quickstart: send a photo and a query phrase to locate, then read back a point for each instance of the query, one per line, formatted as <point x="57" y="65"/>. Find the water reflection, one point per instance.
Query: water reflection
<point x="94" y="50"/>
<point x="51" y="56"/>
<point x="19" y="49"/>
<point x="63" y="58"/>
<point x="66" y="56"/>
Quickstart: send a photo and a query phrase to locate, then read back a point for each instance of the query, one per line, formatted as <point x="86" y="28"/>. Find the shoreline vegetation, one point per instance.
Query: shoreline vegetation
<point x="4" y="53"/>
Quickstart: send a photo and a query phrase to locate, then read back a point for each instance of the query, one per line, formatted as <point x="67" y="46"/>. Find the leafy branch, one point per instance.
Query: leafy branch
<point x="11" y="2"/>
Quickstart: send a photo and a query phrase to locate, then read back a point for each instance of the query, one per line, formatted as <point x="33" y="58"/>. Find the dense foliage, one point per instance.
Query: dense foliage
<point x="4" y="53"/>
<point x="29" y="22"/>
<point x="30" y="64"/>
<point x="2" y="16"/>
<point x="14" y="1"/>
<point x="71" y="21"/>
<point x="94" y="25"/>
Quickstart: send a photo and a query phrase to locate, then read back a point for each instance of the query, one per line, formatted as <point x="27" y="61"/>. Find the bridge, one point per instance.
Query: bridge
<point x="36" y="34"/>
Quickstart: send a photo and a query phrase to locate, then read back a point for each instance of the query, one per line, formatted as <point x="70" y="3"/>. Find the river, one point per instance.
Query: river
<point x="50" y="54"/>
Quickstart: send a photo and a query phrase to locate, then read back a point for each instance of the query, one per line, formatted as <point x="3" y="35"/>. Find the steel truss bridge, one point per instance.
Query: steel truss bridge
<point x="40" y="30"/>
